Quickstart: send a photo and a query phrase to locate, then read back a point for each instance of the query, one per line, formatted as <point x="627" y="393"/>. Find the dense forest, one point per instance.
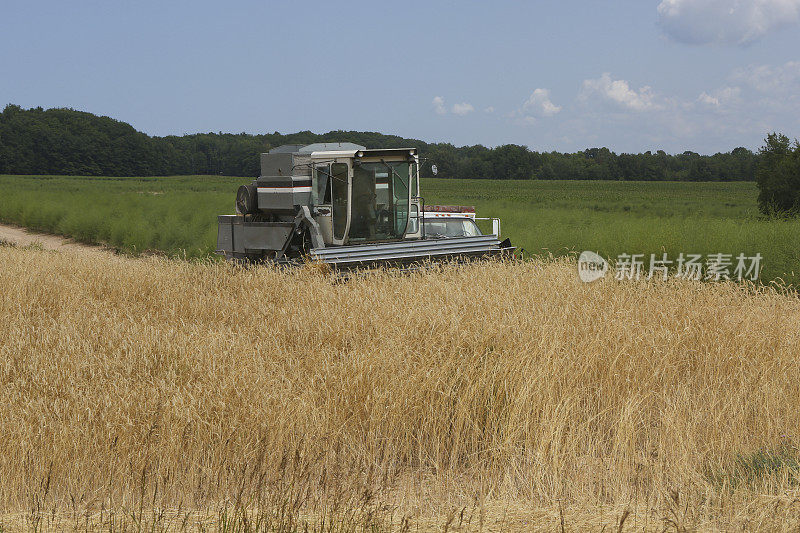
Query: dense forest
<point x="65" y="141"/>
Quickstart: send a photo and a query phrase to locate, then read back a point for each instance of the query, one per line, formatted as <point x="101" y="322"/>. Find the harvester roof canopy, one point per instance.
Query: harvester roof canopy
<point x="330" y="147"/>
<point x="326" y="150"/>
<point x="332" y="154"/>
<point x="379" y="153"/>
<point x="387" y="152"/>
<point x="286" y="149"/>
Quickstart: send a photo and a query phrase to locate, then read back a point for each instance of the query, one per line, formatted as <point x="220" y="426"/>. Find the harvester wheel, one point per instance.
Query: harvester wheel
<point x="246" y="203"/>
<point x="300" y="244"/>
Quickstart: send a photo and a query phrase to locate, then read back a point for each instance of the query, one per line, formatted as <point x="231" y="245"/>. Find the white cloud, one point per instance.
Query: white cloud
<point x="489" y="109"/>
<point x="770" y="79"/>
<point x="438" y="105"/>
<point x="462" y="109"/>
<point x="739" y="111"/>
<point x="707" y="99"/>
<point x="721" y="97"/>
<point x="620" y="93"/>
<point x="725" y="21"/>
<point x="539" y="104"/>
<point x="458" y="109"/>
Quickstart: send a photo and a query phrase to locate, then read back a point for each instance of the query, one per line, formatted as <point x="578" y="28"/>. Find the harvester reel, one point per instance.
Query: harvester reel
<point x="246" y="203"/>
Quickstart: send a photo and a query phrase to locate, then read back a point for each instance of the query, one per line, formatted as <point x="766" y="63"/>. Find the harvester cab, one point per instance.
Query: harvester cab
<point x="342" y="204"/>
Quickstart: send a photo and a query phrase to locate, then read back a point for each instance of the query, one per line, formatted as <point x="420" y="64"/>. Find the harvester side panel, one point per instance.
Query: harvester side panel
<point x="283" y="195"/>
<point x="279" y="164"/>
<point x="285" y="183"/>
<point x="237" y="237"/>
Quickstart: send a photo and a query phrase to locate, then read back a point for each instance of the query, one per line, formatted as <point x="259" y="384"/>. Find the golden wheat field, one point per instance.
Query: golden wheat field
<point x="149" y="394"/>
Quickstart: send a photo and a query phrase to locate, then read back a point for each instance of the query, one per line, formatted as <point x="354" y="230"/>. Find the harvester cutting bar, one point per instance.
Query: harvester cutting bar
<point x="411" y="251"/>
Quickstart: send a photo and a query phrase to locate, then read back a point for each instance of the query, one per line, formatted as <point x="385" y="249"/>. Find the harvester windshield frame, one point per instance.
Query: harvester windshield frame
<point x="377" y="205"/>
<point x="381" y="198"/>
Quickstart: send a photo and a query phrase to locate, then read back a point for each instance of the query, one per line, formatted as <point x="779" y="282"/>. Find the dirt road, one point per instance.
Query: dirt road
<point x="24" y="237"/>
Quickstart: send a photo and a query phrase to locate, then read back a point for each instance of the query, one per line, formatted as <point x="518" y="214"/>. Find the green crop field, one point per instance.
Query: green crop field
<point x="616" y="217"/>
<point x="177" y="215"/>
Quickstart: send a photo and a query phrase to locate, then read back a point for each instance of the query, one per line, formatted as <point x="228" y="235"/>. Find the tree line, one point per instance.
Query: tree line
<point x="778" y="176"/>
<point x="69" y="142"/>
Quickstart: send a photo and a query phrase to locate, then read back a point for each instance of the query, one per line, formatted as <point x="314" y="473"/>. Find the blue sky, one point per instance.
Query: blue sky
<point x="632" y="75"/>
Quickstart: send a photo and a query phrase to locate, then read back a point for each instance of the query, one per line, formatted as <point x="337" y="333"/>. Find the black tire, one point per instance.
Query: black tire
<point x="300" y="245"/>
<point x="246" y="202"/>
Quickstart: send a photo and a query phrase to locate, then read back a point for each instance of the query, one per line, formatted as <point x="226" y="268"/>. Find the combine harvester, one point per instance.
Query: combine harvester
<point x="345" y="205"/>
